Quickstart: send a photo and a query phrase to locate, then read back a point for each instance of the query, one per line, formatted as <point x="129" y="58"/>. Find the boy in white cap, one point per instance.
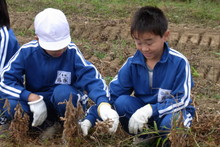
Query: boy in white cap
<point x="54" y="68"/>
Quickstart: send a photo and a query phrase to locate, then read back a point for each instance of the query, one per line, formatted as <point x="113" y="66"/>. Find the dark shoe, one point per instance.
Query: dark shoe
<point x="3" y="120"/>
<point x="146" y="139"/>
<point x="51" y="132"/>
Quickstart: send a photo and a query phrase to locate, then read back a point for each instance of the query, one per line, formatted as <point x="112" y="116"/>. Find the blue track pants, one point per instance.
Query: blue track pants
<point x="60" y="93"/>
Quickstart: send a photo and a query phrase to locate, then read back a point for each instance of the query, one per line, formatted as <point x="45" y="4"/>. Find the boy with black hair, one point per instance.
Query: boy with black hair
<point x="159" y="77"/>
<point x="155" y="83"/>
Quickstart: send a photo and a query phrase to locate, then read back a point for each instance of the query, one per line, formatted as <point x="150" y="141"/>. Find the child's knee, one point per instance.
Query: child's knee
<point x="121" y="103"/>
<point x="126" y="104"/>
<point x="63" y="92"/>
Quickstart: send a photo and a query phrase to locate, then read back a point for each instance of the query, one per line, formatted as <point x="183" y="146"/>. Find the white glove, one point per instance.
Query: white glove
<point x="106" y="112"/>
<point x="39" y="110"/>
<point x="85" y="126"/>
<point x="139" y="119"/>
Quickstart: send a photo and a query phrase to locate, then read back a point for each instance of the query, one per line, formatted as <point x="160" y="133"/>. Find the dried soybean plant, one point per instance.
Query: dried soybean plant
<point x="179" y="135"/>
<point x="102" y="128"/>
<point x="7" y="105"/>
<point x="72" y="135"/>
<point x="19" y="125"/>
<point x="101" y="133"/>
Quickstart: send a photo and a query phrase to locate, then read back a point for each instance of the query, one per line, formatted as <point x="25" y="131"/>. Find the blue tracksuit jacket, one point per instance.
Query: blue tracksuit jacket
<point x="8" y="45"/>
<point x="44" y="72"/>
<point x="171" y="86"/>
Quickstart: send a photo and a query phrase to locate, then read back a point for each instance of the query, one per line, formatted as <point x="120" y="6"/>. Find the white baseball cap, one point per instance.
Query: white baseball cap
<point x="52" y="29"/>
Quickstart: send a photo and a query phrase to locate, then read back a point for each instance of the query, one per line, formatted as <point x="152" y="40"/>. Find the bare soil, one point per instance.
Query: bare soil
<point x="111" y="38"/>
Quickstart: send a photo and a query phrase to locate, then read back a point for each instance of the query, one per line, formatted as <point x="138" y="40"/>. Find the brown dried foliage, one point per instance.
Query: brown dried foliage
<point x="72" y="135"/>
<point x="101" y="134"/>
<point x="19" y="125"/>
<point x="179" y="135"/>
<point x="102" y="128"/>
<point x="207" y="129"/>
<point x="7" y="105"/>
<point x="102" y="137"/>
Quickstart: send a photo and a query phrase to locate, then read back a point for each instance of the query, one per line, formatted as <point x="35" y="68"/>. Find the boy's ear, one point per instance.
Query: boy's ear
<point x="166" y="35"/>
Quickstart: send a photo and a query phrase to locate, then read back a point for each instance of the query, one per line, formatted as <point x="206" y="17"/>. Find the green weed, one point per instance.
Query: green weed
<point x="108" y="79"/>
<point x="217" y="54"/>
<point x="100" y="55"/>
<point x="194" y="72"/>
<point x="217" y="96"/>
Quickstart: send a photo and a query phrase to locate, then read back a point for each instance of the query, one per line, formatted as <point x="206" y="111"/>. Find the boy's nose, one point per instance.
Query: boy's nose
<point x="145" y="48"/>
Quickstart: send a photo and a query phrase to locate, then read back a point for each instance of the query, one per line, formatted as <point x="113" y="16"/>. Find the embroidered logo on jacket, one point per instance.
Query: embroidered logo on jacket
<point x="63" y="77"/>
<point x="163" y="94"/>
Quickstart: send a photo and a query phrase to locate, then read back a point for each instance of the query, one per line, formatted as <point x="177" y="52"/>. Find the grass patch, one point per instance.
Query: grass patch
<point x="194" y="12"/>
<point x="100" y="55"/>
<point x="181" y="11"/>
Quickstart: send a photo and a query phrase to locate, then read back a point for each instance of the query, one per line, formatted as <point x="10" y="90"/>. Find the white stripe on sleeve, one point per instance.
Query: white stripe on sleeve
<point x="187" y="89"/>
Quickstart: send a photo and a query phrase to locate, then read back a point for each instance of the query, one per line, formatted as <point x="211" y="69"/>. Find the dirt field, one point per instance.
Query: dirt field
<point x="111" y="38"/>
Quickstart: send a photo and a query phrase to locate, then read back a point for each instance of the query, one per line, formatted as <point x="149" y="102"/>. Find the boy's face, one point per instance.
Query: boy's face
<point x="57" y="53"/>
<point x="150" y="45"/>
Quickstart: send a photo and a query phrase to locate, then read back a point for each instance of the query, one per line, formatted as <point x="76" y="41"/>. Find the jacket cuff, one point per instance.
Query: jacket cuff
<point x="101" y="100"/>
<point x="24" y="95"/>
<point x="155" y="111"/>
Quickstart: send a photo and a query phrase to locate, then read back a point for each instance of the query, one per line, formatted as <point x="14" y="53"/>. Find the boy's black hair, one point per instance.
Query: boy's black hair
<point x="149" y="19"/>
<point x="4" y="16"/>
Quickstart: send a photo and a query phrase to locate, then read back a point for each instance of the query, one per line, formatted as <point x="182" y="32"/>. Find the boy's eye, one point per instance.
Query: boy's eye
<point x="149" y="43"/>
<point x="138" y="42"/>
